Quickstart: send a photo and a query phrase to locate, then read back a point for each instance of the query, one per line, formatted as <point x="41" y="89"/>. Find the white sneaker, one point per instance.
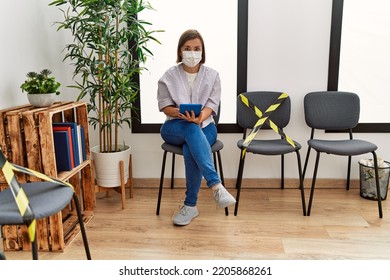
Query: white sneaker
<point x="185" y="215"/>
<point x="222" y="197"/>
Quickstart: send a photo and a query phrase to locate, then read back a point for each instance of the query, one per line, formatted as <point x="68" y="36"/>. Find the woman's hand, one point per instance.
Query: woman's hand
<point x="190" y="117"/>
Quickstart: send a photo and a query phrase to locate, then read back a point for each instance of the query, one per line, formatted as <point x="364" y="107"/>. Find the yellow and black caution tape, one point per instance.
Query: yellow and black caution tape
<point x="18" y="193"/>
<point x="264" y="117"/>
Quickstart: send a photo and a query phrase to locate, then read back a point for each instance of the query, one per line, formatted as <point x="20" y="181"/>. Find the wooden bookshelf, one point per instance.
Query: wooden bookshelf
<point x="26" y="138"/>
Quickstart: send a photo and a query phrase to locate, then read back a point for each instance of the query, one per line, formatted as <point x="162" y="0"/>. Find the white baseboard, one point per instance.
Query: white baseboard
<point x="254" y="183"/>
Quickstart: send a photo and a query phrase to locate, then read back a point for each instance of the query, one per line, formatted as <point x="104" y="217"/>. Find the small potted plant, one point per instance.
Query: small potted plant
<point x="41" y="88"/>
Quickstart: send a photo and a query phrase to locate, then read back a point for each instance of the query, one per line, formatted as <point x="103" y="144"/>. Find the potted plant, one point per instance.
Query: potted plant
<point x="41" y="88"/>
<point x="108" y="53"/>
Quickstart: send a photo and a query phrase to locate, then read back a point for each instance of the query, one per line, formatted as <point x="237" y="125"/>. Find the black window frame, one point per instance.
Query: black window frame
<point x="242" y="51"/>
<point x="334" y="63"/>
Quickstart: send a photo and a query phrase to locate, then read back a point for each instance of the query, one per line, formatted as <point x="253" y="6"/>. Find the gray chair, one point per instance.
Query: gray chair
<point x="336" y="111"/>
<point x="278" y="146"/>
<point x="23" y="204"/>
<point x="178" y="150"/>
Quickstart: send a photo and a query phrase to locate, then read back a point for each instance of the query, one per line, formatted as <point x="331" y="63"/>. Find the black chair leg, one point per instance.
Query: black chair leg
<point x="348" y="173"/>
<point x="378" y="189"/>
<point x="220" y="168"/>
<point x="173" y="171"/>
<point x="82" y="227"/>
<point x="34" y="249"/>
<point x="306" y="163"/>
<point x="282" y="172"/>
<point x="221" y="174"/>
<point x="301" y="187"/>
<point x="161" y="183"/>
<point x="238" y="183"/>
<point x="313" y="183"/>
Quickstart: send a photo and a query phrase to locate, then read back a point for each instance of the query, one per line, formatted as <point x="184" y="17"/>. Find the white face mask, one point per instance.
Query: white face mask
<point x="191" y="58"/>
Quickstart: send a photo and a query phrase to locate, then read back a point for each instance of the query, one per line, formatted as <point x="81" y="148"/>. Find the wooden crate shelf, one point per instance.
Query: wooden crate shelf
<point x="26" y="139"/>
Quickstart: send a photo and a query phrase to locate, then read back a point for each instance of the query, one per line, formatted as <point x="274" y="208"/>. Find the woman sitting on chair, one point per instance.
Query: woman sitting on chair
<point x="190" y="81"/>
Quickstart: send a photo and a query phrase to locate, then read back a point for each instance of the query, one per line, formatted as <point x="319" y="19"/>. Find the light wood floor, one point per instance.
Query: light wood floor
<point x="269" y="225"/>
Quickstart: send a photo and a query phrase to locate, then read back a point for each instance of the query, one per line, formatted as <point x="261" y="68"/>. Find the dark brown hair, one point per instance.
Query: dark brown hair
<point x="190" y="34"/>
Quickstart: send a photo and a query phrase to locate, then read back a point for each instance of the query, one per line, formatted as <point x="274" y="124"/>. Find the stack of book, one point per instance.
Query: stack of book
<point x="69" y="145"/>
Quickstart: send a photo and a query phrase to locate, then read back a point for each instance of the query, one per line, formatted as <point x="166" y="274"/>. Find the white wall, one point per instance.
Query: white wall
<point x="288" y="51"/>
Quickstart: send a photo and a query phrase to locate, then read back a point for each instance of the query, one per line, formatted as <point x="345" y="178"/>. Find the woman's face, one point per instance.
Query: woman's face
<point x="192" y="45"/>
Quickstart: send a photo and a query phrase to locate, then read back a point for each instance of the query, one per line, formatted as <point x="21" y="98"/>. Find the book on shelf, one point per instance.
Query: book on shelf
<point x="62" y="148"/>
<point x="83" y="147"/>
<point x="81" y="139"/>
<point x="75" y="140"/>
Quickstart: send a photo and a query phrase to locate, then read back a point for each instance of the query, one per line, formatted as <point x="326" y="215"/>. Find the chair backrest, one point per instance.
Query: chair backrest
<point x="216" y="117"/>
<point x="332" y="110"/>
<point x="247" y="118"/>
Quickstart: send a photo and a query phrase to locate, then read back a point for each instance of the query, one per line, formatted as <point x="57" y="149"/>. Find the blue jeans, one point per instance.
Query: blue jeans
<point x="198" y="158"/>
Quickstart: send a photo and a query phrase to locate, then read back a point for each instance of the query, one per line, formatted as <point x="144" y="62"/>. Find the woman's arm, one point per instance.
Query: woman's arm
<point x="171" y="111"/>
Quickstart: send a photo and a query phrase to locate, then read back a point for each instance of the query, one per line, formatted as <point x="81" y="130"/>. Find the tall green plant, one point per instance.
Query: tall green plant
<point x="108" y="51"/>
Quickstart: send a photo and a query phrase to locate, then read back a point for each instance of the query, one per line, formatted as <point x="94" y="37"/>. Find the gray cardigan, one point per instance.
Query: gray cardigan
<point x="174" y="89"/>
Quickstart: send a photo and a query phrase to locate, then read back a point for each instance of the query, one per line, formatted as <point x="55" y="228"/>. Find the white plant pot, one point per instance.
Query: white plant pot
<point x="41" y="100"/>
<point x="107" y="166"/>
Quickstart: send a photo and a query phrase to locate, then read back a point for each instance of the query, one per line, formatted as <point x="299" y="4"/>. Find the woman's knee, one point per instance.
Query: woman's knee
<point x="192" y="129"/>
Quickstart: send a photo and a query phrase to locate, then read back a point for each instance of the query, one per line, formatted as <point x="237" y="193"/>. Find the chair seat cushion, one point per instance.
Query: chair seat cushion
<point x="172" y="148"/>
<point x="269" y="147"/>
<point x="342" y="147"/>
<point x="45" y="198"/>
<point x="217" y="146"/>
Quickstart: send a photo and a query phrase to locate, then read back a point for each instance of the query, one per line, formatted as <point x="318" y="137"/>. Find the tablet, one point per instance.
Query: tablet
<point x="190" y="107"/>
